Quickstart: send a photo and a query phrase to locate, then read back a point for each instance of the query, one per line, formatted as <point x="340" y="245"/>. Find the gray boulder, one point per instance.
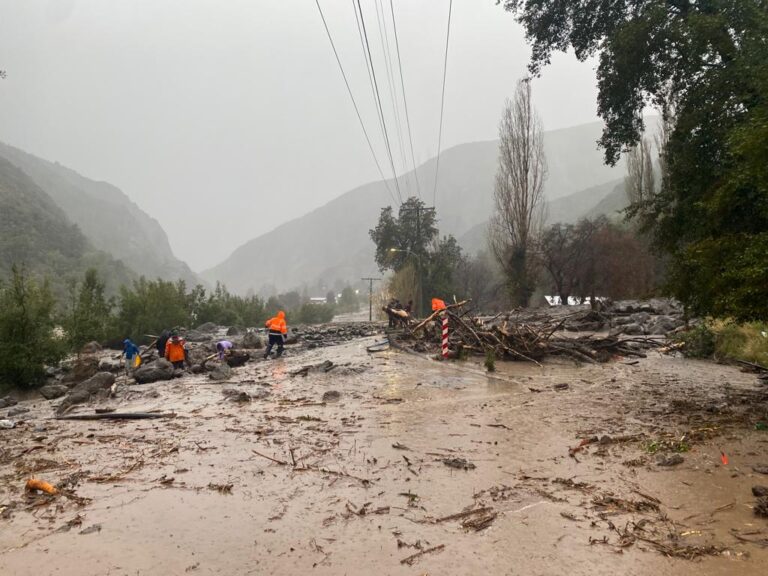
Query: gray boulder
<point x="665" y="325"/>
<point x="233" y="331"/>
<point x="220" y="372"/>
<point x="108" y="364"/>
<point x="207" y="327"/>
<point x="252" y="340"/>
<point x="158" y="370"/>
<point x="85" y="390"/>
<point x="53" y="391"/>
<point x="91" y="348"/>
<point x="8" y="401"/>
<point x="197" y="336"/>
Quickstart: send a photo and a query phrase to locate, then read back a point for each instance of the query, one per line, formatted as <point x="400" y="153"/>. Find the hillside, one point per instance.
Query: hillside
<point x="35" y="233"/>
<point x="332" y="241"/>
<point x="106" y="217"/>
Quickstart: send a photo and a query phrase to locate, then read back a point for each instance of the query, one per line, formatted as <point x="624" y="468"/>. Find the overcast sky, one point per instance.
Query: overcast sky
<point x="225" y="118"/>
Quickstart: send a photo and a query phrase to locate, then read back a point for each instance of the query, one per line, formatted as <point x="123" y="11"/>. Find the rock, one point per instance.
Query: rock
<point x="760" y="468"/>
<point x="196" y="369"/>
<point x="108" y="364"/>
<point x="260" y="394"/>
<point x="459" y="463"/>
<point x="672" y="460"/>
<point x="53" y="391"/>
<point x="332" y="396"/>
<point x="50" y="371"/>
<point x="91" y="348"/>
<point x="239" y="396"/>
<point x="233" y="331"/>
<point x="8" y="401"/>
<point x="220" y="372"/>
<point x="622" y="320"/>
<point x="759" y="491"/>
<point x="85" y="390"/>
<point x="252" y="340"/>
<point x="17" y="411"/>
<point x="207" y="327"/>
<point x="664" y="325"/>
<point x="561" y="386"/>
<point x="761" y="506"/>
<point x="158" y="370"/>
<point x="237" y="358"/>
<point x="84" y="368"/>
<point x="196" y="336"/>
<point x="198" y="354"/>
<point x="7" y="424"/>
<point x="632" y="330"/>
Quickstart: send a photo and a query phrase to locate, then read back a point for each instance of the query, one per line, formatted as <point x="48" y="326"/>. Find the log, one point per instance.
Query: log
<point x="118" y="416"/>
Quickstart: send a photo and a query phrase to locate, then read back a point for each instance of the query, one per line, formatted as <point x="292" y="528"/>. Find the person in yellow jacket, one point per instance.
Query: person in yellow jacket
<point x="277" y="332"/>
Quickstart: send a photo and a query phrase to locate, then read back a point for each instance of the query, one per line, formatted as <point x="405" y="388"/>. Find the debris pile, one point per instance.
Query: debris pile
<point x="531" y="337"/>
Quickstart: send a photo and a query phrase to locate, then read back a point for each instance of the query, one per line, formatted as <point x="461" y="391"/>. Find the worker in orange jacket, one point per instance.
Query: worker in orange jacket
<point x="176" y="350"/>
<point x="277" y="332"/>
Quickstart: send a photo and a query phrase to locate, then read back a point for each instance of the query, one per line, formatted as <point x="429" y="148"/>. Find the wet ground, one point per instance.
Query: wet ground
<point x="544" y="478"/>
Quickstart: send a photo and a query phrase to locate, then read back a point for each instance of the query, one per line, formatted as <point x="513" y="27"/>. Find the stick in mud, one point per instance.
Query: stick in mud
<point x="411" y="559"/>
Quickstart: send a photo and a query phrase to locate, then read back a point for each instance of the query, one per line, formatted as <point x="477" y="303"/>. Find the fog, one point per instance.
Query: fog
<point x="224" y="119"/>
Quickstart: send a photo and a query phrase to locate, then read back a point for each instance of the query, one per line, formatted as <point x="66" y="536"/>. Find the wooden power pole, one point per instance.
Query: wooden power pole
<point x="370" y="296"/>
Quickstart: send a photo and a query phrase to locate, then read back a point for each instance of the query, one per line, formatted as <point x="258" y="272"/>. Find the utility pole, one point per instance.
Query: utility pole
<point x="370" y="296"/>
<point x="420" y="273"/>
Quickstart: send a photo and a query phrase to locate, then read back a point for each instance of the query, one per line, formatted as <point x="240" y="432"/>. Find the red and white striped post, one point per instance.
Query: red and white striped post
<point x="445" y="336"/>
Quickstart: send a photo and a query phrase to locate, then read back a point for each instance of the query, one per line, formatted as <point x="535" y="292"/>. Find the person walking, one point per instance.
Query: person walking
<point x="131" y="353"/>
<point x="277" y="332"/>
<point x="176" y="351"/>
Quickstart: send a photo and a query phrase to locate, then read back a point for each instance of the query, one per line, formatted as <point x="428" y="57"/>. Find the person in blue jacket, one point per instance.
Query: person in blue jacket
<point x="130" y="351"/>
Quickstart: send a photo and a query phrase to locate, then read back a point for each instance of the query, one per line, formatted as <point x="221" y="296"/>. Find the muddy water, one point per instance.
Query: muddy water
<point x="190" y="496"/>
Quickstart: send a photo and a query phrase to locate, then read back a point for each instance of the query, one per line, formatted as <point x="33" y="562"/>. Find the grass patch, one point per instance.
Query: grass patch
<point x="666" y="445"/>
<point x="727" y="340"/>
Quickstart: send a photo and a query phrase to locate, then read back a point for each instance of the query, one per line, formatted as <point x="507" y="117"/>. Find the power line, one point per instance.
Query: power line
<point x="442" y="101"/>
<point x="387" y="53"/>
<point x="378" y="100"/>
<point x="354" y="103"/>
<point x="405" y="100"/>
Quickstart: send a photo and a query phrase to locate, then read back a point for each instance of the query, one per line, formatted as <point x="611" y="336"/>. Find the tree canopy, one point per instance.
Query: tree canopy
<point x="704" y="65"/>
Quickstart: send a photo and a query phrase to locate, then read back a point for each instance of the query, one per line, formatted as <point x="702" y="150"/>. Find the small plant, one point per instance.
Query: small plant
<point x="490" y="360"/>
<point x="698" y="342"/>
<point x="666" y="445"/>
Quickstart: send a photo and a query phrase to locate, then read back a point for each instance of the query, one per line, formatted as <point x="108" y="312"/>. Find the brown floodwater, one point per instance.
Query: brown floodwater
<point x="190" y="495"/>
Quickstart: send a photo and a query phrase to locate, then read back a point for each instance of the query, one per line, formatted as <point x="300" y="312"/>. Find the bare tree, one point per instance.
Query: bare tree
<point x="518" y="193"/>
<point x="640" y="180"/>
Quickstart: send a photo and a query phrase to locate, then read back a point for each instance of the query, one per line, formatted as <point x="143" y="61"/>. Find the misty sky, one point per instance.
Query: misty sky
<point x="223" y="119"/>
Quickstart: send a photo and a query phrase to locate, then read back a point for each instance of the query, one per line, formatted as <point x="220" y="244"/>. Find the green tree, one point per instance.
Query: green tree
<point x="408" y="236"/>
<point x="89" y="313"/>
<point x="29" y="342"/>
<point x="349" y="302"/>
<point x="150" y="306"/>
<point x="704" y="64"/>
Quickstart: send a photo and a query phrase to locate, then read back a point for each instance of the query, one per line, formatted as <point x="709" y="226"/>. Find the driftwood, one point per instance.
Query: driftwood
<point x="531" y="340"/>
<point x="118" y="416"/>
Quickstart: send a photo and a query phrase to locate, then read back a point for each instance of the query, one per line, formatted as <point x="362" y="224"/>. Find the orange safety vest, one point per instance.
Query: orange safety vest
<point x="277" y="324"/>
<point x="438" y="304"/>
<point x="174" y="351"/>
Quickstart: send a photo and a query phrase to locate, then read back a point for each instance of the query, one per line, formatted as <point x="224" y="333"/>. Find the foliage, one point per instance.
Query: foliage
<point x="348" y="302"/>
<point x="29" y="342"/>
<point x="410" y="242"/>
<point x="698" y="342"/>
<point x="311" y="313"/>
<point x="705" y="66"/>
<point x="400" y="240"/>
<point x="225" y="309"/>
<point x="88" y="312"/>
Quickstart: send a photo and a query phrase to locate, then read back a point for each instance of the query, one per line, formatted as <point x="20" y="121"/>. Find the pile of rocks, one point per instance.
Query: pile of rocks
<point x="657" y="317"/>
<point x="335" y="334"/>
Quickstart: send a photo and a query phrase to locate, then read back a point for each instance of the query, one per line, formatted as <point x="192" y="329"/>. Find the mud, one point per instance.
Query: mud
<point x="562" y="480"/>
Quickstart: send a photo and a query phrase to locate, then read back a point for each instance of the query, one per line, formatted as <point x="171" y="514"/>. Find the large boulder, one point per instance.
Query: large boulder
<point x="252" y="340"/>
<point x="664" y="325"/>
<point x="207" y="327"/>
<point x="197" y="336"/>
<point x="220" y="372"/>
<point x="108" y="364"/>
<point x="85" y="390"/>
<point x="233" y="331"/>
<point x="237" y="358"/>
<point x="158" y="370"/>
<point x="91" y="348"/>
<point x="84" y="368"/>
<point x="8" y="401"/>
<point x="53" y="391"/>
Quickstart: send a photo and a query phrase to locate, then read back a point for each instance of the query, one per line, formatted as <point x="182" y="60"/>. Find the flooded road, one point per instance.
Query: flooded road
<point x="415" y="467"/>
